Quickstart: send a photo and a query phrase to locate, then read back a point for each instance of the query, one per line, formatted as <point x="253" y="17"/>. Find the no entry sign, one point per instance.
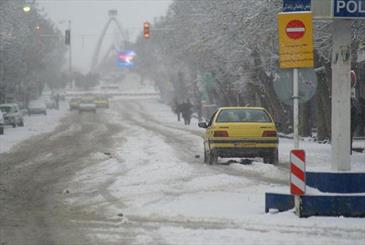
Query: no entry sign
<point x="295" y="40"/>
<point x="295" y="29"/>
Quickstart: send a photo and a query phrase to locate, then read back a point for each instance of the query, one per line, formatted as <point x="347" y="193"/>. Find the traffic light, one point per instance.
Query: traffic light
<point x="146" y="30"/>
<point x="68" y="37"/>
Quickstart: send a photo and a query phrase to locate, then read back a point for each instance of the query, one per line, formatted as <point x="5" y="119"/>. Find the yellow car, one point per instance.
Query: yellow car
<point x="240" y="132"/>
<point x="102" y="102"/>
<point x="74" y="103"/>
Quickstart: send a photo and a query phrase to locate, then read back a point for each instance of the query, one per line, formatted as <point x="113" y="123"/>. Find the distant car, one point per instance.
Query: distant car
<point x="102" y="102"/>
<point x="37" y="107"/>
<point x="74" y="104"/>
<point x="87" y="104"/>
<point x="12" y="115"/>
<point x="240" y="132"/>
<point x="1" y="123"/>
<point x="50" y="102"/>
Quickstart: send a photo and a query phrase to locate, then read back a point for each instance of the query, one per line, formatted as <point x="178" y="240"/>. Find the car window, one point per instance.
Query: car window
<point x="211" y="119"/>
<point x="88" y="101"/>
<point x="5" y="109"/>
<point x="242" y="115"/>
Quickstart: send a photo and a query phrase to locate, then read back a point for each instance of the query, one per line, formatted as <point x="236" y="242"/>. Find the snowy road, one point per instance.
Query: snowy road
<point x="130" y="175"/>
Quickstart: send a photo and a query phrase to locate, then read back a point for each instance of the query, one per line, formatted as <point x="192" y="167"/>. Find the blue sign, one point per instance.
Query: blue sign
<point x="296" y="5"/>
<point x="350" y="9"/>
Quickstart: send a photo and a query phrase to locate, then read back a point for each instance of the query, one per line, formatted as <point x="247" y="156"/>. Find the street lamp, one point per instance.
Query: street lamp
<point x="27" y="6"/>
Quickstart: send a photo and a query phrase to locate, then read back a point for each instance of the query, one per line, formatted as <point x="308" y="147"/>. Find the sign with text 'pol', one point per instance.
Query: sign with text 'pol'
<point x="349" y="9"/>
<point x="295" y="39"/>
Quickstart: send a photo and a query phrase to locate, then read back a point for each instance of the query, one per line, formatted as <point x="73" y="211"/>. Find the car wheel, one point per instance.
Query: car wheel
<point x="272" y="157"/>
<point x="1" y="130"/>
<point x="205" y="156"/>
<point x="213" y="158"/>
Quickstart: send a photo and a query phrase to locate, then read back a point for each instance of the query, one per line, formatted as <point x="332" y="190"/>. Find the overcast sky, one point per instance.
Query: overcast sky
<point x="88" y="18"/>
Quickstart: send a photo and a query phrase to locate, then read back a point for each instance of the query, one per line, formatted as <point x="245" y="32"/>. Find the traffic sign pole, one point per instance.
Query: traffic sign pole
<point x="296" y="107"/>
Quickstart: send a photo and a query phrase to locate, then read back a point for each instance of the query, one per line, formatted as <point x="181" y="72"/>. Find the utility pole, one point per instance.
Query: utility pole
<point x="2" y="70"/>
<point x="341" y="94"/>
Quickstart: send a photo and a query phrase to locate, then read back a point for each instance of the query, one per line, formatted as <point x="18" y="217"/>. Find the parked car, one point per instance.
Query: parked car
<point x="74" y="103"/>
<point x="12" y="115"/>
<point x="240" y="132"/>
<point x="1" y="123"/>
<point x="50" y="102"/>
<point x="37" y="107"/>
<point x="87" y="104"/>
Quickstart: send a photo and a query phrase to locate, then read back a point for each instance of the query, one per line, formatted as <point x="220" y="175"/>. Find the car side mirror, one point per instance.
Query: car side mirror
<point x="203" y="125"/>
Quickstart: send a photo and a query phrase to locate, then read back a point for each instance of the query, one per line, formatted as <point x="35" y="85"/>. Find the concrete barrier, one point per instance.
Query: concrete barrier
<point x="335" y="182"/>
<point x="343" y="194"/>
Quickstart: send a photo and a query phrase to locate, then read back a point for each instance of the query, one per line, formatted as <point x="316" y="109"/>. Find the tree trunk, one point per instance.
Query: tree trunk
<point x="305" y="119"/>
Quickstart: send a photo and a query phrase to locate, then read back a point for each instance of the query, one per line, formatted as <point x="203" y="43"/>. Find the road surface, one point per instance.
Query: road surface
<point x="74" y="186"/>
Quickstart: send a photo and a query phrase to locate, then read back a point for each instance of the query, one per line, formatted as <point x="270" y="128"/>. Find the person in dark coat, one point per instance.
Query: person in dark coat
<point x="177" y="109"/>
<point x="357" y="117"/>
<point x="186" y="110"/>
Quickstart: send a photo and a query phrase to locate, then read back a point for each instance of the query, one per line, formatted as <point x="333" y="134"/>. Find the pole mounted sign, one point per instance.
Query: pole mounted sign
<point x="296" y="5"/>
<point x="295" y="40"/>
<point x="350" y="9"/>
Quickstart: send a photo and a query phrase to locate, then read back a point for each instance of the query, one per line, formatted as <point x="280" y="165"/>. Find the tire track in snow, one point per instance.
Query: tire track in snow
<point x="177" y="137"/>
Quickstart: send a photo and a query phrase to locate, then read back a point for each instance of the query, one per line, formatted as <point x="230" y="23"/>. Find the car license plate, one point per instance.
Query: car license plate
<point x="246" y="145"/>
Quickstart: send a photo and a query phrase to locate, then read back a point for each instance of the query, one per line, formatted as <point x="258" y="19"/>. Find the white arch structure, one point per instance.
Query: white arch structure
<point x="95" y="59"/>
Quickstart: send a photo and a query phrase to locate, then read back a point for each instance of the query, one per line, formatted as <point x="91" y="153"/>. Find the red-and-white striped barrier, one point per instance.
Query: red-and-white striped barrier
<point x="297" y="172"/>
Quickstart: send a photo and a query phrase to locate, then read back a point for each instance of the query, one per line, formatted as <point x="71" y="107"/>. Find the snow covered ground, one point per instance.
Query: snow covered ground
<point x="155" y="185"/>
<point x="33" y="125"/>
<point x="168" y="196"/>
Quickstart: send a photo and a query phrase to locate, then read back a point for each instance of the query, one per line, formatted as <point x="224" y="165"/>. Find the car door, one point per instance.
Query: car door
<point x="209" y="131"/>
<point x="16" y="112"/>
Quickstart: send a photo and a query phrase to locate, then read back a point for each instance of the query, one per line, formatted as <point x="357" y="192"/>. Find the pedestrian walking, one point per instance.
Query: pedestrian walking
<point x="186" y="109"/>
<point x="177" y="109"/>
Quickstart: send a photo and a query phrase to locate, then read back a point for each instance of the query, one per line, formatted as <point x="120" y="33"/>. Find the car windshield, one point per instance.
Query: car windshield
<point x="5" y="109"/>
<point x="242" y="115"/>
<point x="36" y="103"/>
<point x="87" y="102"/>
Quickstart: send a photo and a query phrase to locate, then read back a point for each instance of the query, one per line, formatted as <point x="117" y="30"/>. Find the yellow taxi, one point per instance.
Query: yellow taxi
<point x="237" y="132"/>
<point x="102" y="102"/>
<point x="74" y="103"/>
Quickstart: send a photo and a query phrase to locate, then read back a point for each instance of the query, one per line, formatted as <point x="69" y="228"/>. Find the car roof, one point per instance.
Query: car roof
<point x="12" y="104"/>
<point x="40" y="101"/>
<point x="241" y="107"/>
